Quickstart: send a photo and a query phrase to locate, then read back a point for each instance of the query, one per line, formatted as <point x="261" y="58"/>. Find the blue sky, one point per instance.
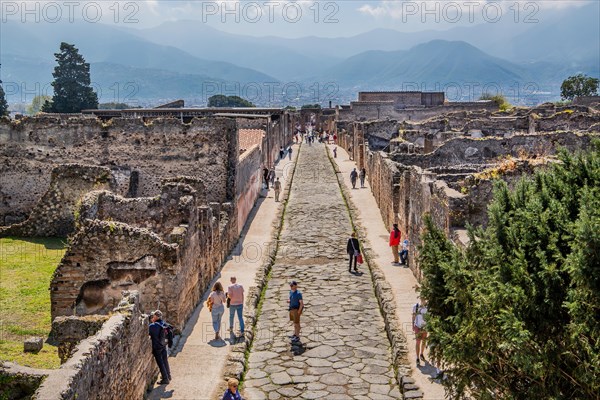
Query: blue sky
<point x="292" y="18"/>
<point x="347" y="17"/>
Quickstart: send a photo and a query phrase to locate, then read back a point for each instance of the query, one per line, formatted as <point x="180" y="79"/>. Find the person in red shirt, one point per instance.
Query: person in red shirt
<point x="395" y="242"/>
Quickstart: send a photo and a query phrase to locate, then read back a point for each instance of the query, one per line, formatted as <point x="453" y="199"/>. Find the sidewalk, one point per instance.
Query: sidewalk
<point x="197" y="361"/>
<point x="401" y="279"/>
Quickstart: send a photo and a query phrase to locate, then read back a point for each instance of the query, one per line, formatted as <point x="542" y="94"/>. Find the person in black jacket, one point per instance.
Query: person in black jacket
<point x="353" y="250"/>
<point x="159" y="349"/>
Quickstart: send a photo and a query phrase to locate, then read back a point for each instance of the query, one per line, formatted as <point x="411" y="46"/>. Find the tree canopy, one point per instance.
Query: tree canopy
<point x="37" y="103"/>
<point x="305" y="106"/>
<point x="579" y="85"/>
<point x="516" y="315"/>
<point x="220" y="100"/>
<point x="499" y="99"/>
<point x="3" y="103"/>
<point x="72" y="84"/>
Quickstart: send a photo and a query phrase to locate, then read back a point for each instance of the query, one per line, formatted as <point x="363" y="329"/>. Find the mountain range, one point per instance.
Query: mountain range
<point x="188" y="59"/>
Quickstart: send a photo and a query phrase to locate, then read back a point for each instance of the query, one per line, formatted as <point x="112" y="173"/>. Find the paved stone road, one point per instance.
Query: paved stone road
<point x="344" y="352"/>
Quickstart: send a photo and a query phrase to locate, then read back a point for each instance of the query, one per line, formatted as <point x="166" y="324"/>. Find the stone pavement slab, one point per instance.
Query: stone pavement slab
<point x="343" y="331"/>
<point x="198" y="361"/>
<point x="401" y="279"/>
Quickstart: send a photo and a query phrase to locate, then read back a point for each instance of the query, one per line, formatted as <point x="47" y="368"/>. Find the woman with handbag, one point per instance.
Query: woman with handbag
<point x="353" y="250"/>
<point x="216" y="306"/>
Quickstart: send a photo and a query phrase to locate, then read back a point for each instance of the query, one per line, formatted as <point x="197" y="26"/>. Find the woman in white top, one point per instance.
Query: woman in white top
<point x="217" y="300"/>
<point x="418" y="319"/>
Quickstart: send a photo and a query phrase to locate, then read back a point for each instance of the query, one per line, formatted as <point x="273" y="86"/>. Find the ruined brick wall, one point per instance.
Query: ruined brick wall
<point x="481" y="151"/>
<point x="168" y="248"/>
<point x="54" y="213"/>
<point x="407" y="98"/>
<point x="384" y="178"/>
<point x="173" y="207"/>
<point x="364" y="111"/>
<point x="30" y="148"/>
<point x="115" y="363"/>
<point x="379" y="133"/>
<point x="248" y="184"/>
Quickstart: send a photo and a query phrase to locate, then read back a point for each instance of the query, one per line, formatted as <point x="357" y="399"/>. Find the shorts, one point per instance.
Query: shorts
<point x="420" y="333"/>
<point x="294" y="316"/>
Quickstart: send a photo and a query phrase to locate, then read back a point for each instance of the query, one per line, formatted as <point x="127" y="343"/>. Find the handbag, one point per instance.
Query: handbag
<point x="228" y="301"/>
<point x="359" y="258"/>
<point x="209" y="304"/>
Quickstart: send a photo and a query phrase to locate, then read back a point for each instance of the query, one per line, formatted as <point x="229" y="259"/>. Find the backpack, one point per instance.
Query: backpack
<point x="168" y="333"/>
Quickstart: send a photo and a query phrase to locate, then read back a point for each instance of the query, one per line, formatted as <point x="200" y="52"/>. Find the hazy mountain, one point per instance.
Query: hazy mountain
<point x="276" y="59"/>
<point x="434" y="62"/>
<point x="103" y="43"/>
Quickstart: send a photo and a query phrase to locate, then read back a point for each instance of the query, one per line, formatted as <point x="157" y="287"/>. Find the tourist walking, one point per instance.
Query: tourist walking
<point x="235" y="295"/>
<point x="296" y="305"/>
<point x="277" y="188"/>
<point x="156" y="330"/>
<point x="272" y="175"/>
<point x="335" y="152"/>
<point x="216" y="305"/>
<point x="353" y="250"/>
<point x="395" y="242"/>
<point x="362" y="176"/>
<point x="290" y="153"/>
<point x="353" y="178"/>
<point x="281" y="153"/>
<point x="404" y="252"/>
<point x="418" y="322"/>
<point x="232" y="390"/>
<point x="266" y="177"/>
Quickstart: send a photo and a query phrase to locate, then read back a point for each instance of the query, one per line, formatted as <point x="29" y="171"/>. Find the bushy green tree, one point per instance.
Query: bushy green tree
<point x="499" y="99"/>
<point x="220" y="100"/>
<point x="72" y="84"/>
<point x="311" y="106"/>
<point x="516" y="315"/>
<point x="37" y="103"/>
<point x="3" y="103"/>
<point x="579" y="85"/>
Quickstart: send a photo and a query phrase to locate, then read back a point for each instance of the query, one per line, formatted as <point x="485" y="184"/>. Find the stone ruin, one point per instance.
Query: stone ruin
<point x="446" y="165"/>
<point x="152" y="209"/>
<point x="168" y="248"/>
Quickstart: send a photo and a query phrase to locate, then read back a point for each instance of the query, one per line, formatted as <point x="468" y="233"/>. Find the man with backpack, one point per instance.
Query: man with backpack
<point x="161" y="334"/>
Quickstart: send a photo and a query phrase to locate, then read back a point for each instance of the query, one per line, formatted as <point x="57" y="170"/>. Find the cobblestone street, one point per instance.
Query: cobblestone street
<point x="344" y="351"/>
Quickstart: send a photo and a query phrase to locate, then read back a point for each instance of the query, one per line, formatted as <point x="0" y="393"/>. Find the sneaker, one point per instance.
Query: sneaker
<point x="422" y="358"/>
<point x="418" y="363"/>
<point x="295" y="339"/>
<point x="163" y="382"/>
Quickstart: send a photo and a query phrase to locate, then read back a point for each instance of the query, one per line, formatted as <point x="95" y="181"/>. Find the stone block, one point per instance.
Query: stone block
<point x="413" y="394"/>
<point x="33" y="344"/>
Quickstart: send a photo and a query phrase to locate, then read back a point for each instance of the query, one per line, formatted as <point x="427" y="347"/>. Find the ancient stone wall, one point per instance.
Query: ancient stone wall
<point x="168" y="248"/>
<point x="54" y="213"/>
<point x="30" y="148"/>
<point x="248" y="184"/>
<point x="480" y="151"/>
<point x="115" y="363"/>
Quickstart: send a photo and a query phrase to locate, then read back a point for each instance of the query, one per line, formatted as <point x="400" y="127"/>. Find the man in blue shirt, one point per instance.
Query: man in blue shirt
<point x="159" y="348"/>
<point x="296" y="305"/>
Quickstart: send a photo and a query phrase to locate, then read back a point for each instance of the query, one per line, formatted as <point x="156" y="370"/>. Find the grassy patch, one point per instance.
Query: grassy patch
<point x="26" y="268"/>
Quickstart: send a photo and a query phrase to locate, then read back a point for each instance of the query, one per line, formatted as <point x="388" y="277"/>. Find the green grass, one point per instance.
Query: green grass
<point x="26" y="268"/>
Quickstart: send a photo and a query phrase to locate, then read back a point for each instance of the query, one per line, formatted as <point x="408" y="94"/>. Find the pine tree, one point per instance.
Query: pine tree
<point x="72" y="90"/>
<point x="3" y="103"/>
<point x="515" y="314"/>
